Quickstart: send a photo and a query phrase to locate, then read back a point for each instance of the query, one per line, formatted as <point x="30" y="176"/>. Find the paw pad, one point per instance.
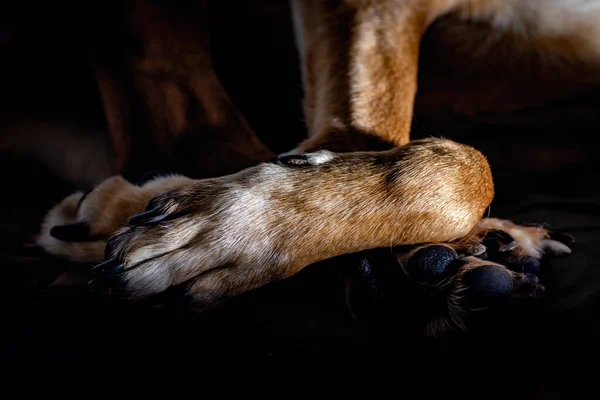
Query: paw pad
<point x="488" y="281"/>
<point x="432" y="263"/>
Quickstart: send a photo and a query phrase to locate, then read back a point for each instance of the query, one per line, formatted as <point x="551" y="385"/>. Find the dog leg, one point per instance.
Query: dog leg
<point x="77" y="228"/>
<point x="224" y="236"/>
<point x="360" y="70"/>
<point x="272" y="220"/>
<point x="451" y="281"/>
<point x="220" y="237"/>
<point x="165" y="105"/>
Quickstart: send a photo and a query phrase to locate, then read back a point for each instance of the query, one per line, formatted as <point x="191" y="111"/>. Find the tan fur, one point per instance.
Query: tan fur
<point x="106" y="209"/>
<point x="164" y="94"/>
<point x="360" y="71"/>
<point x="533" y="240"/>
<point x="240" y="231"/>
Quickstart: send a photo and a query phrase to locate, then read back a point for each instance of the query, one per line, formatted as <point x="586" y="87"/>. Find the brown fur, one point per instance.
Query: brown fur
<point x="360" y="62"/>
<point x="164" y="94"/>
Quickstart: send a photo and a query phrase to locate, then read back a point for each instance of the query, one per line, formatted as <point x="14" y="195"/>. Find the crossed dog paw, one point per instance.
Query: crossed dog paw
<point x="454" y="279"/>
<point x="217" y="238"/>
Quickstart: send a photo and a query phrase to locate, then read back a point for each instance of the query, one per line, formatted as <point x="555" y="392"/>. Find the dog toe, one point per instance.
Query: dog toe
<point x="432" y="263"/>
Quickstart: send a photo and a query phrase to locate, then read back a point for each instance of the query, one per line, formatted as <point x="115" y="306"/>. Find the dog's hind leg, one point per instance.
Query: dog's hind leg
<point x="165" y="105"/>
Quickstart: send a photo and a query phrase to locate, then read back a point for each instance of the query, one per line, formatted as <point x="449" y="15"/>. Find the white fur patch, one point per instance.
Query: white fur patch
<point x="320" y="157"/>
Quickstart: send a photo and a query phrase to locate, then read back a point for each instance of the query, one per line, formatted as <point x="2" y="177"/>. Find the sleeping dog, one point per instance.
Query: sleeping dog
<point x="357" y="182"/>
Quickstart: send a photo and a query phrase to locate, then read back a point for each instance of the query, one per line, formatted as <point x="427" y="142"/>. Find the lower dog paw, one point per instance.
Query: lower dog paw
<point x="78" y="227"/>
<point x="452" y="280"/>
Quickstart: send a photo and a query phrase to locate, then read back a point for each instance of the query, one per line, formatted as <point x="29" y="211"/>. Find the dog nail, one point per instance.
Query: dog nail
<point x="477" y="250"/>
<point x="555" y="247"/>
<point x="76" y="232"/>
<point x="507" y="247"/>
<point x="147" y="217"/>
<point x="501" y="241"/>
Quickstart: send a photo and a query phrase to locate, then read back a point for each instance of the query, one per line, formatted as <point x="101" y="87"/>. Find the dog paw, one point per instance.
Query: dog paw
<point x="521" y="248"/>
<point x="212" y="239"/>
<point x="459" y="283"/>
<point x="78" y="227"/>
<point x="447" y="282"/>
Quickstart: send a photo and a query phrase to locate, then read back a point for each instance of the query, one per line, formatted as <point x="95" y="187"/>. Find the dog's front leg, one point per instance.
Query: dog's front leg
<point x="224" y="236"/>
<point x="359" y="64"/>
<point x="165" y="104"/>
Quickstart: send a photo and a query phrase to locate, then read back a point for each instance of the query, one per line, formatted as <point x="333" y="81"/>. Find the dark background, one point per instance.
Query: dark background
<point x="543" y="160"/>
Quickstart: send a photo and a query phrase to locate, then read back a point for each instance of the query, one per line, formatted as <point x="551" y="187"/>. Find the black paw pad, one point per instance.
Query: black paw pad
<point x="432" y="263"/>
<point x="488" y="282"/>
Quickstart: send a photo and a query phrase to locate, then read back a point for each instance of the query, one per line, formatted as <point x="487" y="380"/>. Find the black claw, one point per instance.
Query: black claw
<point x="147" y="217"/>
<point x="508" y="247"/>
<point x="152" y="217"/>
<point x="477" y="251"/>
<point x="76" y="232"/>
<point x="500" y="241"/>
<point x="154" y="203"/>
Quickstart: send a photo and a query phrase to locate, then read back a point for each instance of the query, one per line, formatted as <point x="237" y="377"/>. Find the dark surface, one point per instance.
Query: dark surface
<point x="538" y="350"/>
